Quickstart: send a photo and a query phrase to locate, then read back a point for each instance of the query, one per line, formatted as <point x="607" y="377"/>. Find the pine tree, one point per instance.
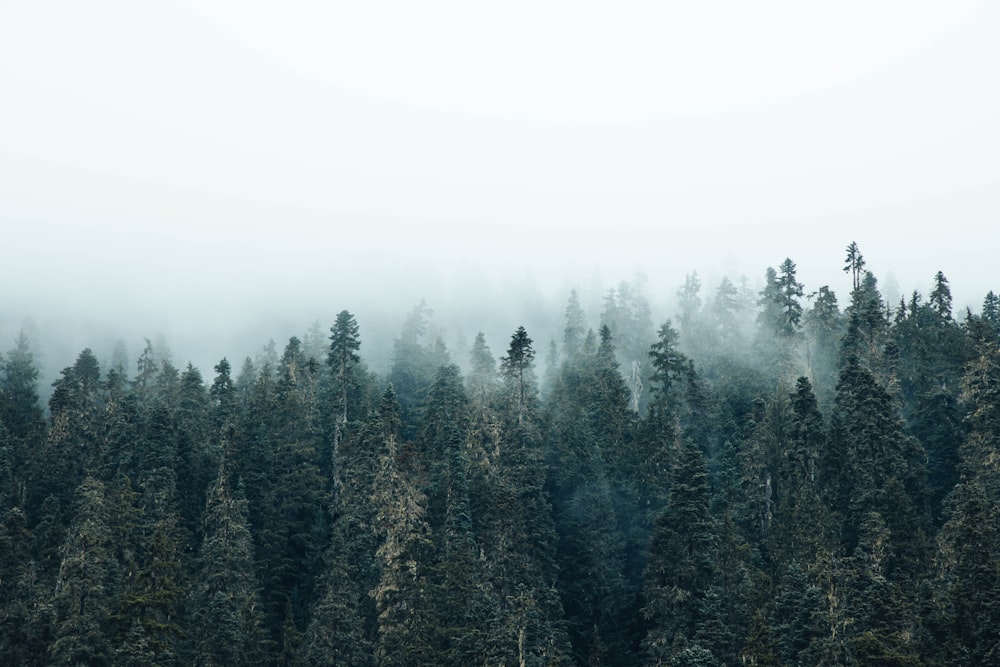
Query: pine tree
<point x="482" y="378"/>
<point x="854" y="264"/>
<point x="575" y="326"/>
<point x="516" y="370"/>
<point x="406" y="619"/>
<point x="940" y="298"/>
<point x="587" y="416"/>
<point x="681" y="550"/>
<point x="72" y="449"/>
<point x="725" y="313"/>
<point x="824" y="326"/>
<point x="87" y="583"/>
<point x="344" y="361"/>
<point x="223" y="394"/>
<point x="20" y="410"/>
<point x="227" y="615"/>
<point x="518" y="536"/>
<point x="197" y="458"/>
<point x="22" y="635"/>
<point x="991" y="310"/>
<point x="689" y="304"/>
<point x="416" y="355"/>
<point x="969" y="567"/>
<point x="335" y="636"/>
<point x="669" y="370"/>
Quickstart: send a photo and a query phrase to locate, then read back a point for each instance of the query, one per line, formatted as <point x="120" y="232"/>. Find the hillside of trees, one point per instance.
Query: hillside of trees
<point x="770" y="477"/>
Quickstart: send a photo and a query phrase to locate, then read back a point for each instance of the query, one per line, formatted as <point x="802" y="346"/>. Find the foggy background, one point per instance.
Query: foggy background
<point x="219" y="173"/>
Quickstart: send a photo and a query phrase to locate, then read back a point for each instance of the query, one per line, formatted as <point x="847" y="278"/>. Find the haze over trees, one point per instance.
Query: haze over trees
<point x="780" y="476"/>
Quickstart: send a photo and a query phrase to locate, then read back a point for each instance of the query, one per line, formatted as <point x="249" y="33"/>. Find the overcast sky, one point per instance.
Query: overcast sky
<point x="182" y="161"/>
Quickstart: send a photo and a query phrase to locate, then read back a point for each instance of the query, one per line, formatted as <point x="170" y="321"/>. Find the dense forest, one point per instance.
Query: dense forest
<point x="769" y="477"/>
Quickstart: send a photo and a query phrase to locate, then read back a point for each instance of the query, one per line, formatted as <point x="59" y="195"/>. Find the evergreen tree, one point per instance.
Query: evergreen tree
<point x="517" y="371"/>
<point x="669" y="369"/>
<point x="20" y="411"/>
<point x="406" y="619"/>
<point x="824" y="327"/>
<point x="680" y="559"/>
<point x="197" y="458"/>
<point x="344" y="362"/>
<point x="336" y="635"/>
<point x="518" y="536"/>
<point x="725" y="313"/>
<point x="482" y="378"/>
<point x="87" y="583"/>
<point x="689" y="304"/>
<point x="575" y="326"/>
<point x="23" y="637"/>
<point x="940" y="298"/>
<point x="416" y="355"/>
<point x="223" y="395"/>
<point x="587" y="418"/>
<point x="964" y="629"/>
<point x="227" y="617"/>
<point x="865" y="336"/>
<point x="854" y="264"/>
<point x="73" y="447"/>
<point x="991" y="310"/>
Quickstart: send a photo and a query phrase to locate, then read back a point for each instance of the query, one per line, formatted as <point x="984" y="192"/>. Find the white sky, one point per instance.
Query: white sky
<point x="183" y="159"/>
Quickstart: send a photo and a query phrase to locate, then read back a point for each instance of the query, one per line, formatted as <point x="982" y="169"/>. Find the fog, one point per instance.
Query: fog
<point x="223" y="173"/>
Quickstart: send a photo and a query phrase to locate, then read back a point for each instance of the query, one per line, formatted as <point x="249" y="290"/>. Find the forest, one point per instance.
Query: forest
<point x="768" y="477"/>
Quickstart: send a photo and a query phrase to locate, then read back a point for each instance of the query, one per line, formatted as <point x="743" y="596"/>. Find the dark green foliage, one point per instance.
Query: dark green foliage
<point x="405" y="554"/>
<point x="824" y="325"/>
<point x="589" y="423"/>
<point x="517" y="534"/>
<point x="826" y="496"/>
<point x="136" y="650"/>
<point x="21" y="417"/>
<point x="343" y="360"/>
<point x="416" y="355"/>
<point x="73" y="446"/>
<point x="336" y="634"/>
<point x="88" y="577"/>
<point x="22" y="639"/>
<point x="681" y="551"/>
<point x="854" y="264"/>
<point x="226" y="610"/>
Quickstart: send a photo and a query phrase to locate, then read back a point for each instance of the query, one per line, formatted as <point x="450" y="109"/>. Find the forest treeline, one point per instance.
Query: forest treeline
<point x="768" y="478"/>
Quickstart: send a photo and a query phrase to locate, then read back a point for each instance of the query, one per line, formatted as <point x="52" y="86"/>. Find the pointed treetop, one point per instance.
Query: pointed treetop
<point x="854" y="264"/>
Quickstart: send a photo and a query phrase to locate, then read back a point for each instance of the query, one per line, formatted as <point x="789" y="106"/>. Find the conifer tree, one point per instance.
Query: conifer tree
<point x="725" y="312"/>
<point x="335" y="636"/>
<point x="223" y="395"/>
<point x="20" y="411"/>
<point x="227" y="616"/>
<point x="22" y="635"/>
<point x="87" y="583"/>
<point x="969" y="566"/>
<point x="72" y="448"/>
<point x="518" y="535"/>
<point x="344" y="361"/>
<point x="482" y="378"/>
<point x="689" y="303"/>
<point x="575" y="326"/>
<point x="823" y="324"/>
<point x="854" y="264"/>
<point x="416" y="355"/>
<point x="588" y="416"/>
<point x="681" y="550"/>
<point x="405" y="553"/>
